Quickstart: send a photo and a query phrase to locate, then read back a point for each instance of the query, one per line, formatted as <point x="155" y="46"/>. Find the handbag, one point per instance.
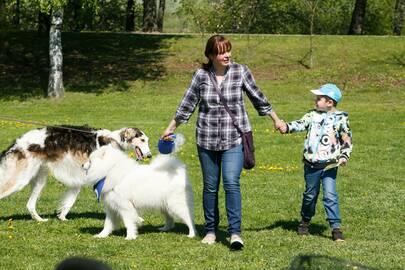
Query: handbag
<point x="247" y="137"/>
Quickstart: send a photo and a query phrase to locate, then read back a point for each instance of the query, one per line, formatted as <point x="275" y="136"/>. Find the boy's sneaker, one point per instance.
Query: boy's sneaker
<point x="303" y="228"/>
<point x="236" y="242"/>
<point x="337" y="235"/>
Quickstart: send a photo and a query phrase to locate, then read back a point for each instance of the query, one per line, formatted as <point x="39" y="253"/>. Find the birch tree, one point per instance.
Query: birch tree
<point x="55" y="84"/>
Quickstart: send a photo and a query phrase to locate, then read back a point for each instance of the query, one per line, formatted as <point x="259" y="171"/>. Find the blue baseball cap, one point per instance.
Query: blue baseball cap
<point x="329" y="90"/>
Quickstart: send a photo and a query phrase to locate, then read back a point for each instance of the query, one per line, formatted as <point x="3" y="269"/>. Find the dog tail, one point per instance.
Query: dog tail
<point x="12" y="165"/>
<point x="179" y="142"/>
<point x="167" y="163"/>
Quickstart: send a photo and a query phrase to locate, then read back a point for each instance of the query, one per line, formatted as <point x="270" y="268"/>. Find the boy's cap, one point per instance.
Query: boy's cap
<point x="329" y="90"/>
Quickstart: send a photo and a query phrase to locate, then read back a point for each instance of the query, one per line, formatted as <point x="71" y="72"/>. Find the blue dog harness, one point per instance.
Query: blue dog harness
<point x="98" y="187"/>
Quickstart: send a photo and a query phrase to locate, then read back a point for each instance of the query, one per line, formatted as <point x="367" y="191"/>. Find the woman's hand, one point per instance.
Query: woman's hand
<point x="278" y="124"/>
<point x="170" y="129"/>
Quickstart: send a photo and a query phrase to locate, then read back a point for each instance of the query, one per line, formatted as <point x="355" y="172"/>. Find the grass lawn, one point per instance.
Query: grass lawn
<point x="117" y="80"/>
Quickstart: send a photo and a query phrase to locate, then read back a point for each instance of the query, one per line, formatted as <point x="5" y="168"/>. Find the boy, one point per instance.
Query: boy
<point x="328" y="144"/>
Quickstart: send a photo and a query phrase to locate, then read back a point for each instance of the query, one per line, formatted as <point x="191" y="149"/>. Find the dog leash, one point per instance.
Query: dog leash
<point x="12" y="119"/>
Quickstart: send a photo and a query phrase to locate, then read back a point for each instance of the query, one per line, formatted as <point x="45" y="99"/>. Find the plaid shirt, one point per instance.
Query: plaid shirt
<point x="215" y="130"/>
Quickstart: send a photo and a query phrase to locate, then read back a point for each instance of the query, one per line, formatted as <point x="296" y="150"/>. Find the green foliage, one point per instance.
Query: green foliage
<point x="285" y="17"/>
<point x="86" y="15"/>
<point x="379" y="17"/>
<point x="219" y="16"/>
<point x="226" y="16"/>
<point x="115" y="80"/>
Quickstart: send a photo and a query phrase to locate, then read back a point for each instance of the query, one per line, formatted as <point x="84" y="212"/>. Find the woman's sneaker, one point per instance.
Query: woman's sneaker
<point x="303" y="228"/>
<point x="209" y="239"/>
<point x="236" y="242"/>
<point x="337" y="235"/>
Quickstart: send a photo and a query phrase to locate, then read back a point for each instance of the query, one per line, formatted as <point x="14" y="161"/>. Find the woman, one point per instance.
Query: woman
<point x="218" y="141"/>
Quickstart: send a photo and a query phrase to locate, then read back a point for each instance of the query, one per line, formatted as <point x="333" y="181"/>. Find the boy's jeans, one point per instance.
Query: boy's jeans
<point x="231" y="163"/>
<point x="313" y="179"/>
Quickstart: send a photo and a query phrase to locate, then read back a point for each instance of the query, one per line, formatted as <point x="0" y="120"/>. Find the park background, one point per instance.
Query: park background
<point x="115" y="77"/>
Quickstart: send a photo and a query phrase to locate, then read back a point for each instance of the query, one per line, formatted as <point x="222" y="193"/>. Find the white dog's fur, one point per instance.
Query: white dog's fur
<point x="62" y="151"/>
<point x="130" y="188"/>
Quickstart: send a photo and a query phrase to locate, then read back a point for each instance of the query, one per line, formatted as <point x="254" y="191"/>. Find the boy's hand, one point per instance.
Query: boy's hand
<point x="282" y="127"/>
<point x="342" y="162"/>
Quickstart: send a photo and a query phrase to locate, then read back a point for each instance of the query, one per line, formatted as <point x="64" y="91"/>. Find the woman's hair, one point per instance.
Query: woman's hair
<point x="216" y="44"/>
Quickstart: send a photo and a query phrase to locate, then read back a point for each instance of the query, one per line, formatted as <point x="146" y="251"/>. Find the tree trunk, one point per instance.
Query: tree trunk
<point x="130" y="21"/>
<point x="149" y="15"/>
<point x="2" y="11"/>
<point x="16" y="16"/>
<point x="55" y="85"/>
<point x="398" y="17"/>
<point x="161" y="15"/>
<point x="359" y="12"/>
<point x="77" y="6"/>
<point x="4" y="45"/>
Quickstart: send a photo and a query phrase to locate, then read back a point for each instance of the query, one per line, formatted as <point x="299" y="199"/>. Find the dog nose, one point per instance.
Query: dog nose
<point x="149" y="155"/>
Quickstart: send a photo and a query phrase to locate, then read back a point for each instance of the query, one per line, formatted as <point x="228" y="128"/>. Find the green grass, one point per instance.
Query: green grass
<point x="116" y="80"/>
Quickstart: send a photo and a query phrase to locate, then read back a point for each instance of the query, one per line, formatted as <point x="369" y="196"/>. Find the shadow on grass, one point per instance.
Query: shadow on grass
<point x="292" y="225"/>
<point x="71" y="216"/>
<point x="92" y="62"/>
<point x="313" y="262"/>
<point x="179" y="228"/>
<point x="92" y="215"/>
<point x="19" y="217"/>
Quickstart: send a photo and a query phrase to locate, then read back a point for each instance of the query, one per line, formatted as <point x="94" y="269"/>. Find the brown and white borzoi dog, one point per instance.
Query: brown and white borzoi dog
<point x="60" y="150"/>
<point x="130" y="188"/>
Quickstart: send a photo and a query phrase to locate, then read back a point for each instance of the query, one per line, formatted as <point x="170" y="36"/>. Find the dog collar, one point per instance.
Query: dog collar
<point x="98" y="187"/>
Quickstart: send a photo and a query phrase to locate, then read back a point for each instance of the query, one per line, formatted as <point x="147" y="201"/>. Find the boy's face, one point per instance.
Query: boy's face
<point x="323" y="103"/>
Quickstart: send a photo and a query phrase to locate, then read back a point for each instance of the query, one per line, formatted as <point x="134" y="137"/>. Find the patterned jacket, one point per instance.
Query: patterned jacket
<point x="329" y="137"/>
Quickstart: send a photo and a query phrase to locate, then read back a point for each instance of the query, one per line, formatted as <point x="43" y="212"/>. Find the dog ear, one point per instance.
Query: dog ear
<point x="115" y="144"/>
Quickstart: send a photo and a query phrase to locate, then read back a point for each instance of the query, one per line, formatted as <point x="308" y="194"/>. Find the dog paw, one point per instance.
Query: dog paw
<point x="61" y="217"/>
<point x="101" y="235"/>
<point x="131" y="237"/>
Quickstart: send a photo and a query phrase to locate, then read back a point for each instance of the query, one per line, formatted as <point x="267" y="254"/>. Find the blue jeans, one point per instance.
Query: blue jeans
<point x="230" y="162"/>
<point x="313" y="178"/>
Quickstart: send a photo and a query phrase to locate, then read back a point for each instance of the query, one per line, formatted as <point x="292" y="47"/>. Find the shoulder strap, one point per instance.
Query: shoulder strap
<point x="221" y="97"/>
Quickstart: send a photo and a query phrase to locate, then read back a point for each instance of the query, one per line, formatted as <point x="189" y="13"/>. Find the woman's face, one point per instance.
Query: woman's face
<point x="221" y="60"/>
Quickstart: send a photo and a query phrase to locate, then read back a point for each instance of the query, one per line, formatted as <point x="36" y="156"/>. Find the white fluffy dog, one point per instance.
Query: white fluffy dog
<point x="130" y="188"/>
